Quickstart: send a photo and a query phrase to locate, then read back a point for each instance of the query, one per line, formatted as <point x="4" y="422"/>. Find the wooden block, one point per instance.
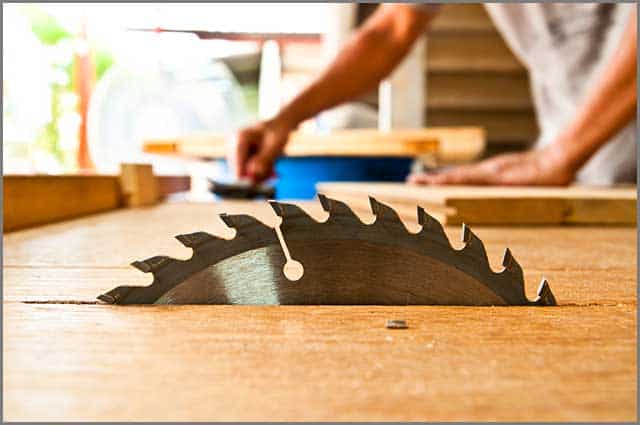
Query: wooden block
<point x="139" y="185"/>
<point x="40" y="199"/>
<point x="448" y="143"/>
<point x="498" y="205"/>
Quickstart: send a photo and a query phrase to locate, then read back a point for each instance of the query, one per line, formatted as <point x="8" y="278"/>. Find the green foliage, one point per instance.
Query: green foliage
<point x="44" y="26"/>
<point x="51" y="33"/>
<point x="48" y="138"/>
<point x="103" y="61"/>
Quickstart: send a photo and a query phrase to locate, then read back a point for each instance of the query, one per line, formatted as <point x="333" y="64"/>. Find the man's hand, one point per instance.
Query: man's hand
<point x="369" y="56"/>
<point x="539" y="167"/>
<point x="255" y="149"/>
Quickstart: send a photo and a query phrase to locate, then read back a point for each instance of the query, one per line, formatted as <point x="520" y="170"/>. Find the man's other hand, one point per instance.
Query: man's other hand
<point x="539" y="167"/>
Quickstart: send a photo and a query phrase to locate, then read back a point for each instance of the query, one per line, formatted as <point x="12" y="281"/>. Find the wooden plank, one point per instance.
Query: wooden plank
<point x="87" y="363"/>
<point x="38" y="199"/>
<point x="446" y="143"/>
<point x="32" y="200"/>
<point x="499" y="205"/>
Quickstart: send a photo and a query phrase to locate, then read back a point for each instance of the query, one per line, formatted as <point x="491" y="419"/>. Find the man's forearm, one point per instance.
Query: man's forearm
<point x="609" y="107"/>
<point x="367" y="58"/>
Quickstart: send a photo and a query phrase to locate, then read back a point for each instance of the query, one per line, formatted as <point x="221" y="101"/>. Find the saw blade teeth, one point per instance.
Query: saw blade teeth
<point x="194" y="240"/>
<point x="107" y="298"/>
<point x="473" y="245"/>
<point x="289" y="211"/>
<point x="240" y="222"/>
<point x="152" y="264"/>
<point x="277" y="208"/>
<point x="545" y="296"/>
<point x="228" y="220"/>
<point x="511" y="266"/>
<point x="116" y="295"/>
<point x="381" y="210"/>
<point x="466" y="233"/>
<point x="386" y="216"/>
<point x="507" y="259"/>
<point x="431" y="227"/>
<point x="325" y="202"/>
<point x="248" y="227"/>
<point x="336" y="208"/>
<point x="509" y="262"/>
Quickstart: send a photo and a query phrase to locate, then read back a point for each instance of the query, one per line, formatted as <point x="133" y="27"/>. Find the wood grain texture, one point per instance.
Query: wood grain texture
<point x="66" y="362"/>
<point x="38" y="199"/>
<point x="446" y="143"/>
<point x="498" y="205"/>
<point x="32" y="200"/>
<point x="98" y="362"/>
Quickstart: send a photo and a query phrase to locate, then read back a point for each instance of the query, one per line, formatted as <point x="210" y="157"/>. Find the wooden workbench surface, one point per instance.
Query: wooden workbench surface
<point x="65" y="359"/>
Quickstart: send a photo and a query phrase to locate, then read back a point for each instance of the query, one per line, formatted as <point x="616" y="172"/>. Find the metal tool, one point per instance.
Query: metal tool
<point x="345" y="262"/>
<point x="241" y="190"/>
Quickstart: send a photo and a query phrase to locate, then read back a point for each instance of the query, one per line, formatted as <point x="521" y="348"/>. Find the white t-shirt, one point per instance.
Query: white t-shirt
<point x="565" y="47"/>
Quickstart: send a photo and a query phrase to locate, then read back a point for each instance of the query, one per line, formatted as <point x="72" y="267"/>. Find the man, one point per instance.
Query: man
<point x="582" y="63"/>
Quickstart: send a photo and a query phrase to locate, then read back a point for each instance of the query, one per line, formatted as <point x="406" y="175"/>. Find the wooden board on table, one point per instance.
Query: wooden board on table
<point x="100" y="362"/>
<point x="37" y="199"/>
<point x="31" y="200"/>
<point x="497" y="205"/>
<point x="447" y="144"/>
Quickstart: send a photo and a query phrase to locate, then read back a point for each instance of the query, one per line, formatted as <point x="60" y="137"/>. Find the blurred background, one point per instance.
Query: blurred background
<point x="84" y="85"/>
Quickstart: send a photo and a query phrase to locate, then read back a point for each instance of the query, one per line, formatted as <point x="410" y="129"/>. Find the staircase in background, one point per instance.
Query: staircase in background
<point x="472" y="78"/>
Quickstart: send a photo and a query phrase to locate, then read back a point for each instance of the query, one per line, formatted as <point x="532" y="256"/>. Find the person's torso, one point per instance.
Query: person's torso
<point x="565" y="48"/>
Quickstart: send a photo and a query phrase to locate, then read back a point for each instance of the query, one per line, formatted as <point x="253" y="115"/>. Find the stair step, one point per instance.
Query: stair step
<point x="503" y="127"/>
<point x="478" y="91"/>
<point x="462" y="18"/>
<point x="468" y="52"/>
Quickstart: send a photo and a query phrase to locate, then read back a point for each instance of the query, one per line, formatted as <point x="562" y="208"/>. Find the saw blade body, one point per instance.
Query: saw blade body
<point x="346" y="262"/>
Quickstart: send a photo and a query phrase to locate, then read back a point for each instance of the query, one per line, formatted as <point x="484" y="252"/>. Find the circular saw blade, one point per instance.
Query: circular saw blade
<point x="346" y="262"/>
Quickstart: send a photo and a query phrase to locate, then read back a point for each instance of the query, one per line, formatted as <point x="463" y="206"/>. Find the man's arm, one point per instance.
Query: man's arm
<point x="608" y="108"/>
<point x="367" y="58"/>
